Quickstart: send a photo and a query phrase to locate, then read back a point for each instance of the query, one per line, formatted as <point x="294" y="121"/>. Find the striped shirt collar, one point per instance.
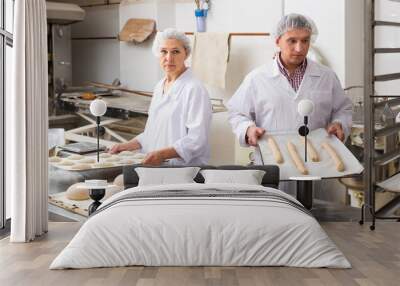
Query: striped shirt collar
<point x="296" y="77"/>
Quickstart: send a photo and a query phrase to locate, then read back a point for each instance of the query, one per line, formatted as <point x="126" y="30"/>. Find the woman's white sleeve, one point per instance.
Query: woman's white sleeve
<point x="198" y="125"/>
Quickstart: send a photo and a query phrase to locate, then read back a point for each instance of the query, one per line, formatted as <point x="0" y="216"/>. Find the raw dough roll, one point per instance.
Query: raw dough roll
<point x="275" y="150"/>
<point x="66" y="162"/>
<point x="87" y="160"/>
<point x="102" y="165"/>
<point x="335" y="156"/>
<point x="126" y="153"/>
<point x="81" y="167"/>
<point x="310" y="149"/>
<point x="105" y="155"/>
<point x="127" y="162"/>
<point x="139" y="156"/>
<point x="55" y="159"/>
<point x="119" y="180"/>
<point x="112" y="159"/>
<point x="77" y="194"/>
<point x="298" y="162"/>
<point x="75" y="157"/>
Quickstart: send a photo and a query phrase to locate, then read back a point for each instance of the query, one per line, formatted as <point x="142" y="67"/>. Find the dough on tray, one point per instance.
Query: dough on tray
<point x="298" y="162"/>
<point x="126" y="153"/>
<point x="66" y="162"/>
<point x="81" y="167"/>
<point x="119" y="180"/>
<point x="75" y="157"/>
<point x="275" y="149"/>
<point x="87" y="160"/>
<point x="105" y="155"/>
<point x="139" y="156"/>
<point x="77" y="194"/>
<point x="112" y="159"/>
<point x="55" y="159"/>
<point x="102" y="165"/>
<point x="334" y="155"/>
<point x="311" y="151"/>
<point x="127" y="162"/>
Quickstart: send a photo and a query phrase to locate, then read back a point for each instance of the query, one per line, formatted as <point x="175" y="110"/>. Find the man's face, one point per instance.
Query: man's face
<point x="294" y="45"/>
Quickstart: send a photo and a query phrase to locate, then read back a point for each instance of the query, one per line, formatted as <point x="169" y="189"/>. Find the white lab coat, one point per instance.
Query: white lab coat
<point x="266" y="99"/>
<point x="181" y="119"/>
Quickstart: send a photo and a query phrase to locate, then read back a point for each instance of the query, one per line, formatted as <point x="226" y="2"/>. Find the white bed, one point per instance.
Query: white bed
<point x="246" y="228"/>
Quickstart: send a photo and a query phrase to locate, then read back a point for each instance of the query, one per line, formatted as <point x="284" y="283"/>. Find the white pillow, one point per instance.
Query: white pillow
<point x="248" y="177"/>
<point x="166" y="176"/>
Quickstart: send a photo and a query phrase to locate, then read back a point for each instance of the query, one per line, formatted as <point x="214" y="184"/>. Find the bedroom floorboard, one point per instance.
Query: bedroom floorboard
<point x="375" y="257"/>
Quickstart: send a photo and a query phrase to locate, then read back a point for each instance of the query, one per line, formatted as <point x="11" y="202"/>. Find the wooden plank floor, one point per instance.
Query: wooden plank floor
<point x="375" y="257"/>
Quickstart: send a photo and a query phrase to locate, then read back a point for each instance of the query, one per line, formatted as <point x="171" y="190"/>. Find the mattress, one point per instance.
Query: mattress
<point x="201" y="225"/>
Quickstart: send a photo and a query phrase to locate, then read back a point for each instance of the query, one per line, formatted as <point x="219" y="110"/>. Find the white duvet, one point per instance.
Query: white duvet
<point x="192" y="231"/>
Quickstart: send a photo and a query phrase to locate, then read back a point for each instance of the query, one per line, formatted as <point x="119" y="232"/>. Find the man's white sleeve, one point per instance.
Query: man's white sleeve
<point x="342" y="107"/>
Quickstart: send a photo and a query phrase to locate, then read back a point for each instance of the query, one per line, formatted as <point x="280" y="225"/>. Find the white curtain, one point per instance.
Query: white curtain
<point x="27" y="123"/>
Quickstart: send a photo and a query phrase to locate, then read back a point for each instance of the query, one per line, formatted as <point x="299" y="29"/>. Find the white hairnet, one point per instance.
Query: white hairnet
<point x="167" y="34"/>
<point x="296" y="21"/>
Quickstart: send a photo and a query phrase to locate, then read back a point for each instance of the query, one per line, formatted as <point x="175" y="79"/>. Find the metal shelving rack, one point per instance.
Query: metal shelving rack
<point x="372" y="160"/>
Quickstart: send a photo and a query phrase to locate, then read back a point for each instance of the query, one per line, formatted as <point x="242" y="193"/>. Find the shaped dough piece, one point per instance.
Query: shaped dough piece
<point x="119" y="180"/>
<point x="112" y="159"/>
<point x="66" y="162"/>
<point x="102" y="165"/>
<point x="298" y="162"/>
<point x="75" y="157"/>
<point x="105" y="155"/>
<point x="81" y="167"/>
<point x="127" y="162"/>
<point x="275" y="150"/>
<point x="77" y="194"/>
<point x="126" y="153"/>
<point x="311" y="151"/>
<point x="334" y="155"/>
<point x="55" y="159"/>
<point x="139" y="156"/>
<point x="87" y="160"/>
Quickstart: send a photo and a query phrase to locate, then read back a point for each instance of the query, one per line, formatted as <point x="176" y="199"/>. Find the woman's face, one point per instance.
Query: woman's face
<point x="172" y="56"/>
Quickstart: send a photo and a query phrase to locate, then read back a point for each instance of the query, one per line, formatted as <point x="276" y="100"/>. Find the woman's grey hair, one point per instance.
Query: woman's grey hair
<point x="167" y="34"/>
<point x="296" y="21"/>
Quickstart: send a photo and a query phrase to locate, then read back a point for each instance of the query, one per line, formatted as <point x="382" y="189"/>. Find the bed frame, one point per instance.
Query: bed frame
<point x="270" y="179"/>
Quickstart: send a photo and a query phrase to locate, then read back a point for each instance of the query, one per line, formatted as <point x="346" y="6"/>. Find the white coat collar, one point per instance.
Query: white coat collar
<point x="179" y="82"/>
<point x="311" y="70"/>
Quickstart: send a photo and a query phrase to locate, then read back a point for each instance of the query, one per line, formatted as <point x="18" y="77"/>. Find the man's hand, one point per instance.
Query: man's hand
<point x="336" y="129"/>
<point x="153" y="159"/>
<point x="253" y="133"/>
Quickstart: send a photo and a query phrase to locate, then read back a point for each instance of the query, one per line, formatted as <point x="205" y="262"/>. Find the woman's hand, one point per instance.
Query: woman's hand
<point x="127" y="146"/>
<point x="116" y="148"/>
<point x="153" y="159"/>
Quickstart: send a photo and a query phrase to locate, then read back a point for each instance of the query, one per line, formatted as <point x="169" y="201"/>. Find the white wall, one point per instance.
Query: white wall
<point x="139" y="67"/>
<point x="96" y="60"/>
<point x="329" y="18"/>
